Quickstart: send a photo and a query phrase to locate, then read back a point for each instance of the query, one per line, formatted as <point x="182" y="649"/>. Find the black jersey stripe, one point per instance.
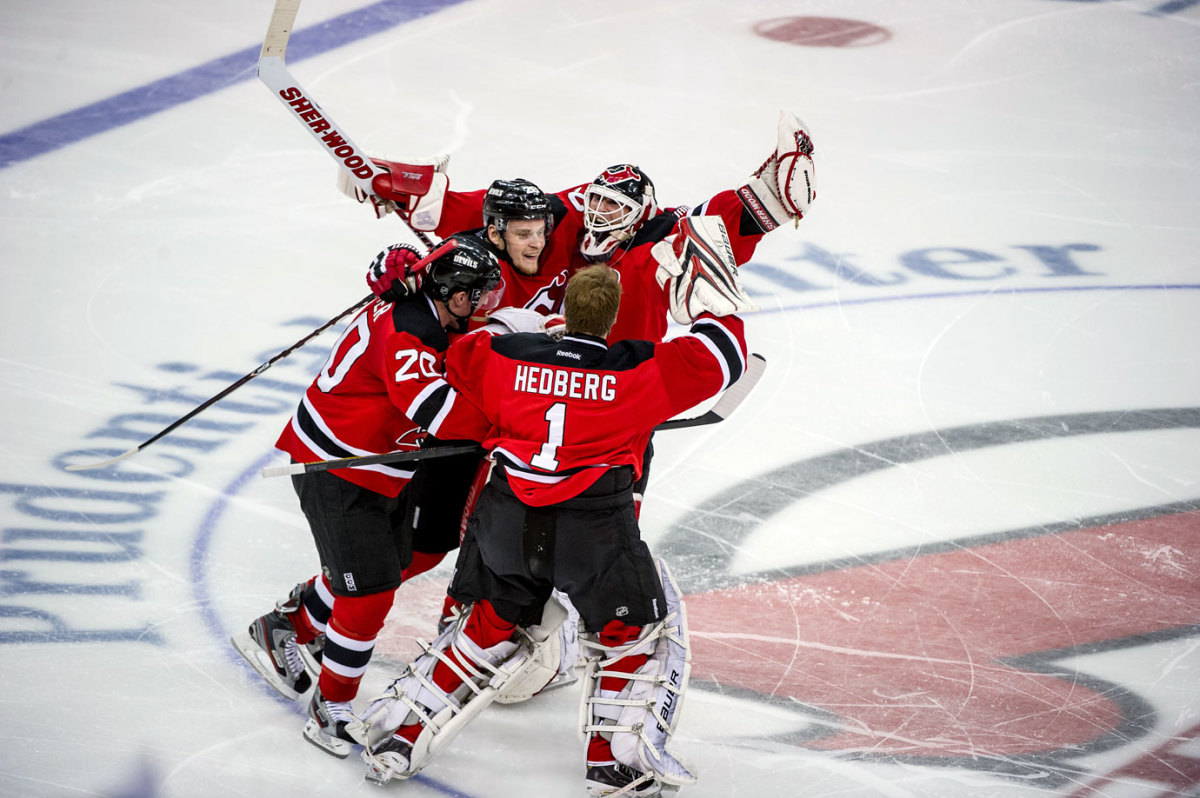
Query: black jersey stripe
<point x="312" y="430"/>
<point x="724" y="344"/>
<point x="431" y="405"/>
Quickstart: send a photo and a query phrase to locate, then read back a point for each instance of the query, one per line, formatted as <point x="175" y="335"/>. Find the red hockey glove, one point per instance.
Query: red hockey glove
<point x="415" y="191"/>
<point x="391" y="274"/>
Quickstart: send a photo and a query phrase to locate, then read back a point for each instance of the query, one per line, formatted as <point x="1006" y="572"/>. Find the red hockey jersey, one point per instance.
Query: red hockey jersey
<point x="644" y="303"/>
<point x="557" y="414"/>
<point x="380" y="387"/>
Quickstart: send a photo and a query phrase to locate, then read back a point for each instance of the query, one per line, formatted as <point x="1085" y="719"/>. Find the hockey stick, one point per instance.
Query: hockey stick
<point x="724" y="407"/>
<point x="230" y="389"/>
<point x="273" y="72"/>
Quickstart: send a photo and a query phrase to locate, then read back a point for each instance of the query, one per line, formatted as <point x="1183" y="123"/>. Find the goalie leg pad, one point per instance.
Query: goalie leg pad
<point x="416" y="698"/>
<point x="642" y="717"/>
<point x="553" y="659"/>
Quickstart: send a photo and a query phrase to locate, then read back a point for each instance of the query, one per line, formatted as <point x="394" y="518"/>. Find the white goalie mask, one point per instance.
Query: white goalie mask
<point x="615" y="205"/>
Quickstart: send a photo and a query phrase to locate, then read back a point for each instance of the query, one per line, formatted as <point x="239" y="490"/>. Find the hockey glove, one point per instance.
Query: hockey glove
<point x="697" y="268"/>
<point x="391" y="274"/>
<point x="785" y="185"/>
<point x="415" y="191"/>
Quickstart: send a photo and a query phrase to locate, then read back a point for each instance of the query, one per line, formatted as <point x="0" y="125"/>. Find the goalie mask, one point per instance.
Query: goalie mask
<point x="464" y="263"/>
<point x="509" y="200"/>
<point x="615" y="205"/>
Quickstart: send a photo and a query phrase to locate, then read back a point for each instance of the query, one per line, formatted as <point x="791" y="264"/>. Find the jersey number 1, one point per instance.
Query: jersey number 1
<point x="556" y="416"/>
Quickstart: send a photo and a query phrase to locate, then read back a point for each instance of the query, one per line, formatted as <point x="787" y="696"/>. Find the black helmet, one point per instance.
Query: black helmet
<point x="631" y="192"/>
<point x="507" y="200"/>
<point x="461" y="263"/>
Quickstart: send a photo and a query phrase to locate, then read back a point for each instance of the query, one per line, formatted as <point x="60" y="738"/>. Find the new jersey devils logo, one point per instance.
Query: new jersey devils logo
<point x="619" y="174"/>
<point x="411" y="439"/>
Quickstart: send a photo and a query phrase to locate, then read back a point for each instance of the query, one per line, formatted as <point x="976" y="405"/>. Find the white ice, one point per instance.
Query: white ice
<point x="950" y="546"/>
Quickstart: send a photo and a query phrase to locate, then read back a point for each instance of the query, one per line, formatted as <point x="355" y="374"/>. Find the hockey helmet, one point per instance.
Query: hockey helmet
<point x="464" y="263"/>
<point x="509" y="200"/>
<point x="615" y="205"/>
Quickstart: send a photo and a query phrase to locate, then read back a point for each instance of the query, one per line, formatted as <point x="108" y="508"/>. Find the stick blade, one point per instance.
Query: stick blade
<point x="103" y="463"/>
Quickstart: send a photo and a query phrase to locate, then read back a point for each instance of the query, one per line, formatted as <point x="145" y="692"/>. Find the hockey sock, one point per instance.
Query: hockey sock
<point x="316" y="604"/>
<point x="349" y="642"/>
<point x="422" y="562"/>
<point x="614" y="633"/>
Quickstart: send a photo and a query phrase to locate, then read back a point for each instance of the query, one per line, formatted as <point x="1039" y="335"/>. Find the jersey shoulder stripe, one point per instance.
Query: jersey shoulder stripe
<point x="724" y="346"/>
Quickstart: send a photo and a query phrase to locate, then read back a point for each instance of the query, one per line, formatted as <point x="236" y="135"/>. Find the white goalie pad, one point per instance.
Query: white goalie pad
<point x="553" y="663"/>
<point x="697" y="267"/>
<point x="642" y="717"/>
<point x="415" y="698"/>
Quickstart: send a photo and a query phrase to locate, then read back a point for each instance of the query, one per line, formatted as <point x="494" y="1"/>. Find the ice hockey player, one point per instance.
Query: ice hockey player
<point x="614" y="219"/>
<point x="381" y="383"/>
<point x="566" y="421"/>
<point x="520" y="221"/>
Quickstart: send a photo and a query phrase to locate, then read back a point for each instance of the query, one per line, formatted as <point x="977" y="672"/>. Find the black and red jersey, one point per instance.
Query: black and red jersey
<point x="644" y="303"/>
<point x="557" y="414"/>
<point x="463" y="210"/>
<point x="380" y="387"/>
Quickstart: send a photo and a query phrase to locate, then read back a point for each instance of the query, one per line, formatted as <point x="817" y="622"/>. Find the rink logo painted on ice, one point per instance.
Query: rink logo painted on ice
<point x="948" y="653"/>
<point x="85" y="536"/>
<point x="822" y="31"/>
<point x="815" y="269"/>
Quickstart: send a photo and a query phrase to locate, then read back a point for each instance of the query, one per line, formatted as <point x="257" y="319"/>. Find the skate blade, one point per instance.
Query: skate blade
<point x="330" y="745"/>
<point x="260" y="660"/>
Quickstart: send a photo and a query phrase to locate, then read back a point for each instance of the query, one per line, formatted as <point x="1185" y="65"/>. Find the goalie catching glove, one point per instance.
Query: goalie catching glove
<point x="785" y="185"/>
<point x="415" y="191"/>
<point x="697" y="268"/>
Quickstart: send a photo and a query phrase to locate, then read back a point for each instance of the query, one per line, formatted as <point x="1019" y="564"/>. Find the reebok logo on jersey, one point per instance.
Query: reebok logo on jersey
<point x="565" y="353"/>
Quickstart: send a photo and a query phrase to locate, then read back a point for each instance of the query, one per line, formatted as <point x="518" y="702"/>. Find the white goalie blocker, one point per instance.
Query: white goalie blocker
<point x="697" y="267"/>
<point x="415" y="698"/>
<point x="642" y="716"/>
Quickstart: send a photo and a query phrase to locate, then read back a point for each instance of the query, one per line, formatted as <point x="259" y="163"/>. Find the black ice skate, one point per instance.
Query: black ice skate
<point x="329" y="726"/>
<point x="271" y="649"/>
<point x="610" y="781"/>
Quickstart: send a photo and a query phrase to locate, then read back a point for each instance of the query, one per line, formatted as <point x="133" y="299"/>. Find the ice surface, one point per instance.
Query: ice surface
<point x="951" y="544"/>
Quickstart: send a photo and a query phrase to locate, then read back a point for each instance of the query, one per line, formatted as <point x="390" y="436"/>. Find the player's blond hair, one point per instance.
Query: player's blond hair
<point x="592" y="299"/>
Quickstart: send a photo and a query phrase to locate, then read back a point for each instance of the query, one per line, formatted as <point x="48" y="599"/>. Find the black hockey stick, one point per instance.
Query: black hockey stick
<point x="273" y="72"/>
<point x="230" y="389"/>
<point x="729" y="401"/>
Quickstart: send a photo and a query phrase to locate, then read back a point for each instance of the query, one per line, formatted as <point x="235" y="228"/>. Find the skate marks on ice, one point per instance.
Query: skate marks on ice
<point x="981" y="651"/>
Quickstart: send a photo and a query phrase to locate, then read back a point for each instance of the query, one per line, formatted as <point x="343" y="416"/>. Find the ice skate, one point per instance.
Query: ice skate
<point x="617" y="780"/>
<point x="270" y="647"/>
<point x="390" y="759"/>
<point x="329" y="726"/>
